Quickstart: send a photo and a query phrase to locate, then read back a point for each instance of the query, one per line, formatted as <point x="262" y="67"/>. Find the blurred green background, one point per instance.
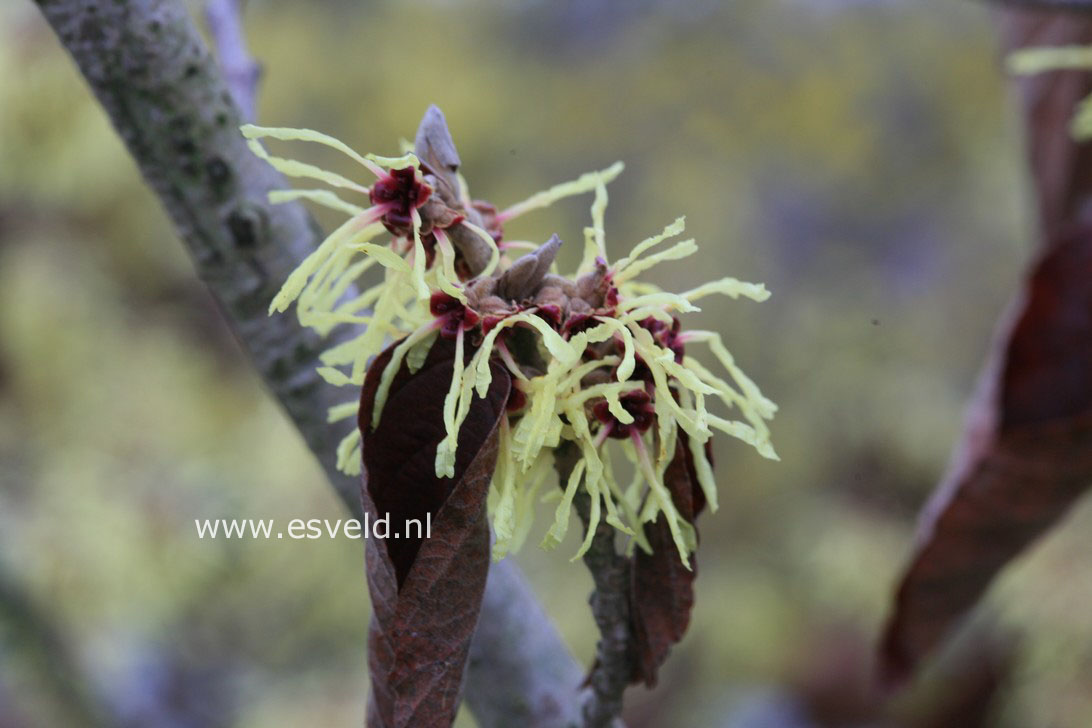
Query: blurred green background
<point x="862" y="159"/>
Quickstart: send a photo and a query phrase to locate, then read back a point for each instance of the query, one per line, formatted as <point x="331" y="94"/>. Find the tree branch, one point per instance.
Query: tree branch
<point x="154" y="76"/>
<point x="516" y="675"/>
<point x="614" y="653"/>
<point x="241" y="72"/>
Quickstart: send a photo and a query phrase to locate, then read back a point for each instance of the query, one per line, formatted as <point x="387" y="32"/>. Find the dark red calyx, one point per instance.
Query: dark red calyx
<point x="488" y="322"/>
<point x="517" y="399"/>
<point x="638" y="403"/>
<point x="453" y="314"/>
<point x="578" y="322"/>
<point x="666" y="336"/>
<point x="610" y="298"/>
<point x="403" y="193"/>
<point x="551" y="313"/>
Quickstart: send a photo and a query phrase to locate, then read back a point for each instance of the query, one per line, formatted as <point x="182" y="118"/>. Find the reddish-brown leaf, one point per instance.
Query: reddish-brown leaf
<point x="662" y="589"/>
<point x="1026" y="456"/>
<point x="426" y="593"/>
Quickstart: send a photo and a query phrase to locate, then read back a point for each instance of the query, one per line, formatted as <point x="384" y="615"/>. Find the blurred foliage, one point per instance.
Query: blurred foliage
<point x="862" y="160"/>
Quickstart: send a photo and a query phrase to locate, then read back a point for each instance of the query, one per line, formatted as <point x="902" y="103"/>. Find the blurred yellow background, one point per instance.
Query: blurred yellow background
<point x="861" y="159"/>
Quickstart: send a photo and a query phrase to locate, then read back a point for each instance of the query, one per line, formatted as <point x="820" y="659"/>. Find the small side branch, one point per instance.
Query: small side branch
<point x="615" y="652"/>
<point x="241" y="72"/>
<point x="614" y="655"/>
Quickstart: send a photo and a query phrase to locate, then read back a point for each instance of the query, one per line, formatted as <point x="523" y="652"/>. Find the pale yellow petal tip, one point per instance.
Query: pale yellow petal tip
<point x="614" y="521"/>
<point x="340" y="412"/>
<point x="349" y="454"/>
<point x="333" y="376"/>
<point x="445" y="460"/>
<point x="611" y="172"/>
<point x="766" y="450"/>
<point x="549" y="542"/>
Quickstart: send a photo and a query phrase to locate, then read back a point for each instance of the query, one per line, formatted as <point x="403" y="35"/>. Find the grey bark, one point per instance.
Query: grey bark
<point x="505" y="647"/>
<point x="156" y="79"/>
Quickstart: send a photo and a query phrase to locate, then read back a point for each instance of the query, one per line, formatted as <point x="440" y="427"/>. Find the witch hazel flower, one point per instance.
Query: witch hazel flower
<point x="598" y="358"/>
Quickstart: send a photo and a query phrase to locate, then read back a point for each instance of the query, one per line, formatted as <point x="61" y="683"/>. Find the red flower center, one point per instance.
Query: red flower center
<point x="402" y="193"/>
<point x="453" y="314"/>
<point x="638" y="403"/>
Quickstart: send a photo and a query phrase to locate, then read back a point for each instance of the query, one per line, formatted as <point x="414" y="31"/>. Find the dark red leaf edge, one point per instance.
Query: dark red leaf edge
<point x="426" y="593"/>
<point x="661" y="588"/>
<point x="1025" y="459"/>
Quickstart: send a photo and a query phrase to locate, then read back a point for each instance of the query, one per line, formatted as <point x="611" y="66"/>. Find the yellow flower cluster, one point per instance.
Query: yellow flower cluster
<point x="626" y="355"/>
